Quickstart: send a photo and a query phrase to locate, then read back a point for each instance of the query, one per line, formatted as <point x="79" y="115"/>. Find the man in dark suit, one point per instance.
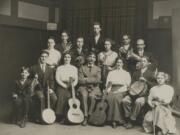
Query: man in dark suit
<point x="133" y="105"/>
<point x="45" y="77"/>
<point x="140" y="53"/>
<point x="96" y="41"/>
<point x="79" y="52"/>
<point x="89" y="79"/>
<point x="123" y="52"/>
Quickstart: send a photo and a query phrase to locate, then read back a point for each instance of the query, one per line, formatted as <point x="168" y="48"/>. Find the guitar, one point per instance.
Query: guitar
<point x="74" y="115"/>
<point x="48" y="115"/>
<point x="98" y="117"/>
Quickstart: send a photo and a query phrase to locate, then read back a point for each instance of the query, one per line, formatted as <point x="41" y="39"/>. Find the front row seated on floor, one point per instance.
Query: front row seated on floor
<point x="123" y="107"/>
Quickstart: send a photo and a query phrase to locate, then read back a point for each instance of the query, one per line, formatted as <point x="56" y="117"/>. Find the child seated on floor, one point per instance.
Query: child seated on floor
<point x="21" y="97"/>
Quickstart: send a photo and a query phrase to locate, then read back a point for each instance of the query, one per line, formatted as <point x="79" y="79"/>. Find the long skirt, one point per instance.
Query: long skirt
<point x="63" y="96"/>
<point x="162" y="118"/>
<point x="115" y="110"/>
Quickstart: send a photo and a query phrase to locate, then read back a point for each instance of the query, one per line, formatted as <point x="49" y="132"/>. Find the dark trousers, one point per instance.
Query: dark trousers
<point x="132" y="108"/>
<point x="39" y="103"/>
<point x="89" y="96"/>
<point x="21" y="107"/>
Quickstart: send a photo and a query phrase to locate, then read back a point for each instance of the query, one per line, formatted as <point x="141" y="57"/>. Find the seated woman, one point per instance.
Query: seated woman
<point x="106" y="59"/>
<point x="160" y="116"/>
<point x="63" y="75"/>
<point x="22" y="97"/>
<point x="120" y="80"/>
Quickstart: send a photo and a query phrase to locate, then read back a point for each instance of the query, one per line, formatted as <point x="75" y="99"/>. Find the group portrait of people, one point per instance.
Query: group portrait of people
<point x="124" y="76"/>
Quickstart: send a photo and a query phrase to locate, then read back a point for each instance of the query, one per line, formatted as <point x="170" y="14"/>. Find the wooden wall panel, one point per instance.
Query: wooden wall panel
<point x="19" y="47"/>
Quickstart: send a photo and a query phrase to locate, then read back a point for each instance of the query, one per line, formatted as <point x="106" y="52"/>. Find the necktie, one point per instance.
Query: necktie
<point x="43" y="68"/>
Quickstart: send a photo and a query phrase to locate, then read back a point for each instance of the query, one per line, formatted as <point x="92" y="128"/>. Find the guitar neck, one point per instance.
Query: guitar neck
<point x="73" y="92"/>
<point x="48" y="98"/>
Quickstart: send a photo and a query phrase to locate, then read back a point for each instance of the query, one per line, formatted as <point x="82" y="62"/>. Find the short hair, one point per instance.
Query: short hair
<point x="23" y="68"/>
<point x="65" y="31"/>
<point x="165" y="75"/>
<point x="44" y="52"/>
<point x="129" y="37"/>
<point x="110" y="40"/>
<point x="97" y="23"/>
<point x="91" y="53"/>
<point x="80" y="37"/>
<point x="140" y="42"/>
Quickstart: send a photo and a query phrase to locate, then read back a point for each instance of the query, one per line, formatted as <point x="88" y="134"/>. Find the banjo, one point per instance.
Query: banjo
<point x="48" y="115"/>
<point x="138" y="88"/>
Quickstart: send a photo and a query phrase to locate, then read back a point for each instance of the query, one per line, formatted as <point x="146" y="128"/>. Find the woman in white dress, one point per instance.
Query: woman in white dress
<point x="160" y="116"/>
<point x="63" y="75"/>
<point x="120" y="80"/>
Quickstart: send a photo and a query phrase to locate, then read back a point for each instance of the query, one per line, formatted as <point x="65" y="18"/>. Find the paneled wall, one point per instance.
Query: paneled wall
<point x="23" y="34"/>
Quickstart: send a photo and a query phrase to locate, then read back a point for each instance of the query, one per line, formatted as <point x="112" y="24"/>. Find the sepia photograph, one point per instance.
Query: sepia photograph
<point x="89" y="67"/>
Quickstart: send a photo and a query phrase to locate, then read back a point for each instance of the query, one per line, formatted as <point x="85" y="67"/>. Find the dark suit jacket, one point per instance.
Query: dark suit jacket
<point x="22" y="90"/>
<point x="148" y="75"/>
<point x="78" y="59"/>
<point x="89" y="77"/>
<point x="63" y="50"/>
<point x="97" y="48"/>
<point x="154" y="63"/>
<point x="129" y="64"/>
<point x="44" y="78"/>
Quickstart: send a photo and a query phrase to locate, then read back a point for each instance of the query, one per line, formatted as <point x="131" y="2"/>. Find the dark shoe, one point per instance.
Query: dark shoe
<point x="114" y="124"/>
<point x="125" y="125"/>
<point x="62" y="121"/>
<point x="22" y="123"/>
<point x="37" y="121"/>
<point x="84" y="123"/>
<point x="129" y="125"/>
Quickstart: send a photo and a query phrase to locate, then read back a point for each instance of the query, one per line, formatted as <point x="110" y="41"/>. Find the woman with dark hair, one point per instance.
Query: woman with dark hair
<point x="159" y="99"/>
<point x="65" y="45"/>
<point x="120" y="80"/>
<point x="63" y="75"/>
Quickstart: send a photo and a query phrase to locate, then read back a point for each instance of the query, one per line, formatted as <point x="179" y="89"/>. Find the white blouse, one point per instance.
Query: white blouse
<point x="64" y="72"/>
<point x="54" y="57"/>
<point x="107" y="58"/>
<point x="121" y="77"/>
<point x="164" y="93"/>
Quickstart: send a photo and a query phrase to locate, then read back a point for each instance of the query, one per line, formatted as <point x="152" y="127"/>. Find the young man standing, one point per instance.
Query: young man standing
<point x="96" y="42"/>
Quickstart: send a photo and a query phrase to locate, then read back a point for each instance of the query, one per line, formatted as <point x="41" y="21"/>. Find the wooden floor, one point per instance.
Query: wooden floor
<point x="57" y="129"/>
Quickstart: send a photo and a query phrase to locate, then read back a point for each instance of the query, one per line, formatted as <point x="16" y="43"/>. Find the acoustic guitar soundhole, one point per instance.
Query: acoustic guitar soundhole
<point x="74" y="106"/>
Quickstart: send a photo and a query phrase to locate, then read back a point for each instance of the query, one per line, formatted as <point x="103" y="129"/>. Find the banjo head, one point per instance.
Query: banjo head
<point x="137" y="87"/>
<point x="48" y="116"/>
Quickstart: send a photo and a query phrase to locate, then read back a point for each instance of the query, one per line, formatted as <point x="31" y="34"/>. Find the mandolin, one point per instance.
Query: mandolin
<point x="98" y="117"/>
<point x="74" y="115"/>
